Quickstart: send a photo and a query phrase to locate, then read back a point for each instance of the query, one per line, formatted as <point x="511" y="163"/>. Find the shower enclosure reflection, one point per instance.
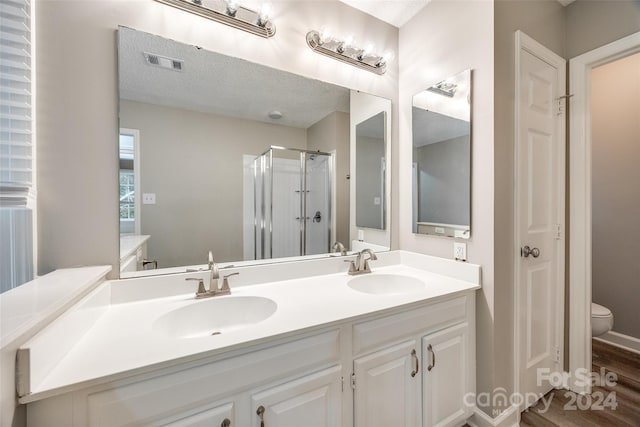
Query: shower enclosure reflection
<point x="292" y="203"/>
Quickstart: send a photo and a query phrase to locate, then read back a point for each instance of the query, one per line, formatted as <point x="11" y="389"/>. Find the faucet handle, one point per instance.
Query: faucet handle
<point x="225" y="283"/>
<point x="352" y="266"/>
<point x="201" y="288"/>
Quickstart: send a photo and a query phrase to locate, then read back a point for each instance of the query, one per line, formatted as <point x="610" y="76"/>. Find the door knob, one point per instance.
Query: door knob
<point x="526" y="251"/>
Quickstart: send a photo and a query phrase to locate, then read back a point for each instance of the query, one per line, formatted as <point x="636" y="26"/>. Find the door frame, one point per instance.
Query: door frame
<point x="526" y="43"/>
<point x="580" y="69"/>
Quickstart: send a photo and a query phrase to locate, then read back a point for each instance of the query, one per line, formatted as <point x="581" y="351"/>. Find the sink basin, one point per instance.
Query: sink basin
<point x="214" y="316"/>
<point x="386" y="284"/>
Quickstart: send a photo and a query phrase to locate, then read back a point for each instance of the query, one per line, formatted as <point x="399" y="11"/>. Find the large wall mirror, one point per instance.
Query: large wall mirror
<point x="442" y="158"/>
<point x="221" y="154"/>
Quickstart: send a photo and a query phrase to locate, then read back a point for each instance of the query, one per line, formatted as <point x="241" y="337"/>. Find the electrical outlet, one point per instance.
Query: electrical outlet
<point x="460" y="251"/>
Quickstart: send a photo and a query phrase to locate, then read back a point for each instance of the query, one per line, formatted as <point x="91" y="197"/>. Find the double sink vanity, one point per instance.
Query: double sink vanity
<point x="294" y="344"/>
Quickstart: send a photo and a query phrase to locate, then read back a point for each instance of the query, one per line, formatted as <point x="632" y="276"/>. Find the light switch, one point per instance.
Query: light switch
<point x="361" y="235"/>
<point x="148" y="198"/>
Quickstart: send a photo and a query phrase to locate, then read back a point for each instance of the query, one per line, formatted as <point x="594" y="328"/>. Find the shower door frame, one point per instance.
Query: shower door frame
<point x="303" y="199"/>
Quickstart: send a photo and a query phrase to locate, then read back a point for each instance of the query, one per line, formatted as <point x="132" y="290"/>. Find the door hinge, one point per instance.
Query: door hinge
<point x="561" y="107"/>
<point x="353" y="381"/>
<point x="556" y="354"/>
<point x="342" y="383"/>
<point x="557" y="231"/>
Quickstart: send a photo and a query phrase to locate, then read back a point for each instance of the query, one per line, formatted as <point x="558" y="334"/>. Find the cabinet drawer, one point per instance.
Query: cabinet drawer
<point x="162" y="396"/>
<point x="368" y="336"/>
<point x="210" y="415"/>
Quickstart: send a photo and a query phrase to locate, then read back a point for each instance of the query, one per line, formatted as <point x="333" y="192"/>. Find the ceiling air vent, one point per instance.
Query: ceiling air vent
<point x="163" y="61"/>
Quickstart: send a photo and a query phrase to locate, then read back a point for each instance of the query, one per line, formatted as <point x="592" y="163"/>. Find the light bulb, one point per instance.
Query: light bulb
<point x="326" y="34"/>
<point x="385" y="58"/>
<point x="388" y="56"/>
<point x="264" y="14"/>
<point x="232" y="7"/>
<point x="366" y="51"/>
<point x="345" y="44"/>
<point x="348" y="41"/>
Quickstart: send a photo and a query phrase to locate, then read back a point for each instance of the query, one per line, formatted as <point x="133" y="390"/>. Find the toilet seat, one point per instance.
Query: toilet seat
<point x="599" y="311"/>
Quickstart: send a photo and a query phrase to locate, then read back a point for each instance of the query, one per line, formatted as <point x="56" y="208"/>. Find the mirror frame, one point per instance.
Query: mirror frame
<point x="459" y="231"/>
<point x="383" y="177"/>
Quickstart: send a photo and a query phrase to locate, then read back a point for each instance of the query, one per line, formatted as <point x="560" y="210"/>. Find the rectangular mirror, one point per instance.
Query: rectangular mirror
<point x="370" y="172"/>
<point x="442" y="158"/>
<point x="221" y="154"/>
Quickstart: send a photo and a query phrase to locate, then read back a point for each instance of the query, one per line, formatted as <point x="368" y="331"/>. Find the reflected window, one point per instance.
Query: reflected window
<point x="127" y="154"/>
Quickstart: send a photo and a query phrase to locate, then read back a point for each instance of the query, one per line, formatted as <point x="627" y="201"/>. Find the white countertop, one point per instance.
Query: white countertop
<point x="122" y="341"/>
<point x="129" y="243"/>
<point x="32" y="305"/>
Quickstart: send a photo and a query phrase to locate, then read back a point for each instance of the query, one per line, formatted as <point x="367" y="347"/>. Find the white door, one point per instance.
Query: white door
<point x="387" y="387"/>
<point x="445" y="377"/>
<point x="540" y="157"/>
<point x="311" y="401"/>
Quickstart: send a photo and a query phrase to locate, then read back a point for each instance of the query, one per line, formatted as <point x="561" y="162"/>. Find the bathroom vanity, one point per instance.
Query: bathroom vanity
<point x="307" y="346"/>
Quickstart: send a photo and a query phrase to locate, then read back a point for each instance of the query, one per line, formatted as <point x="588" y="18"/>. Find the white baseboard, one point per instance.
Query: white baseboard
<point x="620" y="340"/>
<point x="508" y="418"/>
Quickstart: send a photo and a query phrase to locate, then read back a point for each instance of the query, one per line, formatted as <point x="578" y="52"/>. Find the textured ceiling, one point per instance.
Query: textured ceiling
<point x="219" y="84"/>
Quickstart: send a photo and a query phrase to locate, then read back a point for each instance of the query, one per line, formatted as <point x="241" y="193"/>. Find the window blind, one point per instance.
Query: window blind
<point x="16" y="171"/>
<point x="16" y="144"/>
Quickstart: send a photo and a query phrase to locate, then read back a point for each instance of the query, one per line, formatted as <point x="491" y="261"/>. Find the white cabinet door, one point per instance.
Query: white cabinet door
<point x="211" y="416"/>
<point x="311" y="401"/>
<point x="446" y="377"/>
<point x="386" y="393"/>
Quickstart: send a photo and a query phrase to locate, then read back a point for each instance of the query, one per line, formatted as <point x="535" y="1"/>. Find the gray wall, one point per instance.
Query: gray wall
<point x="327" y="135"/>
<point x="193" y="163"/>
<point x="444" y="180"/>
<point x="594" y="23"/>
<point x="615" y="128"/>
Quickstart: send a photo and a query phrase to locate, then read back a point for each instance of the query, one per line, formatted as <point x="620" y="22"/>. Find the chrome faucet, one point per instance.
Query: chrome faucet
<point x="214" y="279"/>
<point x="339" y="247"/>
<point x="361" y="264"/>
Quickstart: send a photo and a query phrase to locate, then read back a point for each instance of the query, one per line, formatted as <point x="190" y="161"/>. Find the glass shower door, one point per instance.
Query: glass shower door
<point x="317" y="202"/>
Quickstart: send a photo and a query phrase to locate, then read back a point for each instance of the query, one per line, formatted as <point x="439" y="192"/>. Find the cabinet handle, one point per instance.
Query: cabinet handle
<point x="433" y="358"/>
<point x="226" y="423"/>
<point x="260" y="413"/>
<point x="417" y="363"/>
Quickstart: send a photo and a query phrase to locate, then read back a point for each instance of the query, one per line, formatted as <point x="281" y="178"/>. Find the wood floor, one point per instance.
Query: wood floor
<point x="564" y="409"/>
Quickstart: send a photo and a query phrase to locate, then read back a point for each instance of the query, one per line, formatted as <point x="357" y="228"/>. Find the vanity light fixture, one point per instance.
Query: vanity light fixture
<point x="232" y="14"/>
<point x="345" y="51"/>
<point x="444" y="88"/>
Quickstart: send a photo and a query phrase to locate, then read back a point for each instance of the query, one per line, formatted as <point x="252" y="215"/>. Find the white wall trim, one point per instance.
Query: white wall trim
<point x="508" y="418"/>
<point x="580" y="197"/>
<point x="622" y="341"/>
<point x="525" y="43"/>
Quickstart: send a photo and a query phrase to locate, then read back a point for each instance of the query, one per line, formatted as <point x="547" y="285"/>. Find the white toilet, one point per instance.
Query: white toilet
<point x="601" y="320"/>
